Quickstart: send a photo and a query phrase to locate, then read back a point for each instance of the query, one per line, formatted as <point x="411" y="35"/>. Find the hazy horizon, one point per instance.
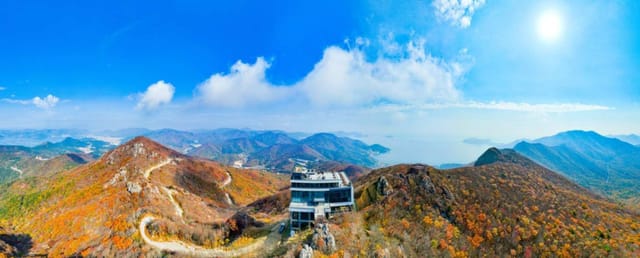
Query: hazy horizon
<point x="403" y="149"/>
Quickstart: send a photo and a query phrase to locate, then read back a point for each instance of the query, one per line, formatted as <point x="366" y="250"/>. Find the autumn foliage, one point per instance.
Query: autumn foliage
<point x="93" y="211"/>
<point x="504" y="208"/>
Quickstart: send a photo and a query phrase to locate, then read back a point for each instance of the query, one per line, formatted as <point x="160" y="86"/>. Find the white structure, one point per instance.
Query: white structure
<point x="317" y="195"/>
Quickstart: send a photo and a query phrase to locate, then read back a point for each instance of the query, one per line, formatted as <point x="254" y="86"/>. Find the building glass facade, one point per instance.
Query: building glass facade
<point x="318" y="195"/>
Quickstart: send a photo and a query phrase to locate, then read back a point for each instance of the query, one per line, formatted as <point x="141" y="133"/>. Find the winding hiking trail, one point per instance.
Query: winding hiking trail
<point x="179" y="210"/>
<point x="226" y="181"/>
<point x="147" y="172"/>
<point x="228" y="198"/>
<point x="17" y="170"/>
<point x="267" y="243"/>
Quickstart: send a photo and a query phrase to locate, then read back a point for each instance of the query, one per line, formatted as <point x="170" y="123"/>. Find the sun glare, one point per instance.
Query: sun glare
<point x="549" y="26"/>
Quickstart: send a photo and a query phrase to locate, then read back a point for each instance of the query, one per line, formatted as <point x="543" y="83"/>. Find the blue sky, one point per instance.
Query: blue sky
<point x="420" y="76"/>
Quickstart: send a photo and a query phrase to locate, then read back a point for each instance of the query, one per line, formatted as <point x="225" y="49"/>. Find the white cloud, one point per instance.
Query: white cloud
<point x="47" y="102"/>
<point x="404" y="79"/>
<point x="346" y="78"/>
<point x="343" y="78"/>
<point x="457" y="12"/>
<point x="245" y="84"/>
<point x="156" y="94"/>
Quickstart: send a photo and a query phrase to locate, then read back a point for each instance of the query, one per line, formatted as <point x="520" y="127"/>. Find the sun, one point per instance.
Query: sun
<point x="550" y="26"/>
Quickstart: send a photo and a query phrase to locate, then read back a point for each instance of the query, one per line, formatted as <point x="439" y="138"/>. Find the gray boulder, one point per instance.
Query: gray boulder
<point x="322" y="240"/>
<point x="306" y="252"/>
<point x="383" y="187"/>
<point x="133" y="187"/>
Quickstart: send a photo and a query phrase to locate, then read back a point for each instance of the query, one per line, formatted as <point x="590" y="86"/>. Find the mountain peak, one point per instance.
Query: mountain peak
<point x="578" y="132"/>
<point x="143" y="141"/>
<point x="323" y="136"/>
<point x="140" y="150"/>
<point x="568" y="136"/>
<point x="140" y="139"/>
<point x="589" y="143"/>
<point x="490" y="156"/>
<point x="494" y="155"/>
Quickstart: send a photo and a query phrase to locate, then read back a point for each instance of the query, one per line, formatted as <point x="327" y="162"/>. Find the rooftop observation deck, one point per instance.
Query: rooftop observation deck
<point x="320" y="177"/>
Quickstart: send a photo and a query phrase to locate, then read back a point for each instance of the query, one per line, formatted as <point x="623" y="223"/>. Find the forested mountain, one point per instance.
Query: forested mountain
<point x="605" y="165"/>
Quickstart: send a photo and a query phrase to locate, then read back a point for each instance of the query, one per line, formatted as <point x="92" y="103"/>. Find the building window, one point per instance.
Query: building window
<point x="302" y="216"/>
<point x="314" y="185"/>
<point x="342" y="195"/>
<point x="308" y="197"/>
<point x="306" y="216"/>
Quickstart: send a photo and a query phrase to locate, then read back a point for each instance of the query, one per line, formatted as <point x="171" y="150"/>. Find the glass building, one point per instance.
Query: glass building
<point x="317" y="195"/>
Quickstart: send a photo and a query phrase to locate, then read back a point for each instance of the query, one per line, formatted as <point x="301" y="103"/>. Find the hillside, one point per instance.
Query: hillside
<point x="19" y="162"/>
<point x="605" y="165"/>
<point x="590" y="144"/>
<point x="353" y="171"/>
<point x="88" y="146"/>
<point x="344" y="149"/>
<point x="630" y="138"/>
<point x="141" y="198"/>
<point x="275" y="150"/>
<point x="281" y="156"/>
<point x="506" y="205"/>
<point x="134" y="199"/>
<point x="236" y="147"/>
<point x="178" y="140"/>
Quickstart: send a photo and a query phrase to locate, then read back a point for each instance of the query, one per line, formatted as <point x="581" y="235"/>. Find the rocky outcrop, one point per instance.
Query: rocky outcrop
<point x="6" y="250"/>
<point x="383" y="187"/>
<point x="14" y="245"/>
<point x="133" y="150"/>
<point x="448" y="195"/>
<point x="427" y="184"/>
<point x="239" y="222"/>
<point x="418" y="169"/>
<point x="322" y="240"/>
<point x="306" y="252"/>
<point x="133" y="187"/>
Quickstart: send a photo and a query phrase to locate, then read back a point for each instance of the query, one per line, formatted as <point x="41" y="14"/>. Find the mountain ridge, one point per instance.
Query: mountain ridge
<point x="503" y="206"/>
<point x="603" y="164"/>
<point x="47" y="158"/>
<point x="235" y="145"/>
<point x="96" y="208"/>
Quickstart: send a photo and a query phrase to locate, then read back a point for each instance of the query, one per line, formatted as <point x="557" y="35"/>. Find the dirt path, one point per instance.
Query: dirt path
<point x="228" y="198"/>
<point x="267" y="243"/>
<point x="147" y="172"/>
<point x="179" y="210"/>
<point x="17" y="170"/>
<point x="227" y="181"/>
